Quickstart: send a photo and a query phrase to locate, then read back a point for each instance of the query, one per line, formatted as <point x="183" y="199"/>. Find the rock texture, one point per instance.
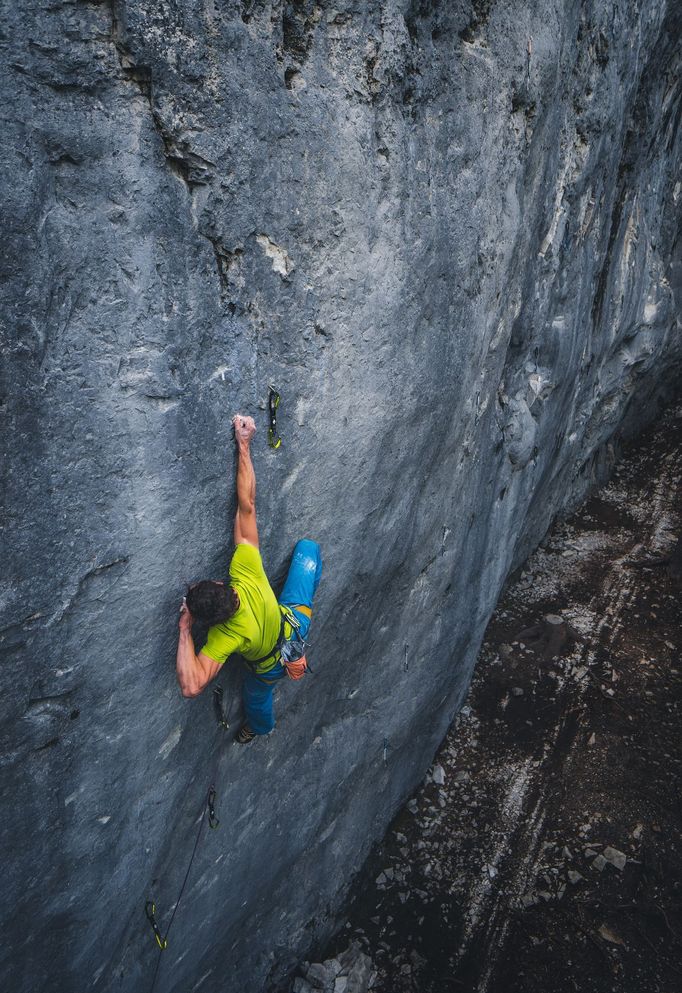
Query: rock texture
<point x="449" y="234"/>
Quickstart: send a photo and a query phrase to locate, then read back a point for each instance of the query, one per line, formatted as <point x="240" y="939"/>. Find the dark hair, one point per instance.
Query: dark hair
<point x="211" y="602"/>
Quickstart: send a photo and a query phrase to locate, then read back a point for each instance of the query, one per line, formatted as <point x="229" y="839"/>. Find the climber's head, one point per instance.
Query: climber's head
<point x="211" y="601"/>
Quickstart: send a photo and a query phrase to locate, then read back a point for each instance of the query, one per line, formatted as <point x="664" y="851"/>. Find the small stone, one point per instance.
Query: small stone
<point x="574" y="877"/>
<point x="516" y="691"/>
<point x="349" y="957"/>
<point x="637" y="833"/>
<point x="599" y="863"/>
<point x="592" y="739"/>
<point x="301" y="986"/>
<point x="319" y="975"/>
<point x="609" y="935"/>
<point x="438" y="775"/>
<point x="358" y="977"/>
<point x="615" y="857"/>
<point x="340" y="984"/>
<point x="554" y="619"/>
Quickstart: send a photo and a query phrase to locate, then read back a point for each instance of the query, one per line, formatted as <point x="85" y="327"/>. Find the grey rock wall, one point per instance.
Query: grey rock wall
<point x="449" y="234"/>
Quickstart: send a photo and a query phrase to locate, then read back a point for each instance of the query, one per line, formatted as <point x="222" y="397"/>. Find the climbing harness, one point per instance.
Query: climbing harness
<point x="292" y="652"/>
<point x="291" y="649"/>
<point x="150" y="911"/>
<point x="274" y="440"/>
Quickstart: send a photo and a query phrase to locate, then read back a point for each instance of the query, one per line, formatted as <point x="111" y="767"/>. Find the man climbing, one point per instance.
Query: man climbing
<point x="243" y="615"/>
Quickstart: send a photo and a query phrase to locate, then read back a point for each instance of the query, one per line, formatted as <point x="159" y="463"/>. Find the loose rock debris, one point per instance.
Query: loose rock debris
<point x="543" y="851"/>
<point x="349" y="972"/>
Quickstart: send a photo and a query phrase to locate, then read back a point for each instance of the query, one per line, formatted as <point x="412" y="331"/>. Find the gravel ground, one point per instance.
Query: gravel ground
<point x="543" y="850"/>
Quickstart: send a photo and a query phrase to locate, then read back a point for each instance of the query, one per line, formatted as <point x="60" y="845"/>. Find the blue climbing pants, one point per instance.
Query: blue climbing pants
<point x="299" y="591"/>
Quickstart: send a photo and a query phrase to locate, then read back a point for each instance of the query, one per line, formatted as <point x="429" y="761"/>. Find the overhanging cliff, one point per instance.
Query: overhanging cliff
<point x="449" y="234"/>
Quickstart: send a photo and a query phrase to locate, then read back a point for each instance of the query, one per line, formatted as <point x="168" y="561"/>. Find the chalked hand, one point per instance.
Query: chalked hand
<point x="244" y="427"/>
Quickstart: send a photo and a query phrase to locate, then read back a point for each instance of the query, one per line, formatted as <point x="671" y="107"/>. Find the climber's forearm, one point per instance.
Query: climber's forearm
<point x="246" y="480"/>
<point x="245" y="526"/>
<point x="187" y="666"/>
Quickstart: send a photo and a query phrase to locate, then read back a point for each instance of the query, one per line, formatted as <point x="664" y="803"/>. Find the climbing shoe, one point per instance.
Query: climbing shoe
<point x="245" y="735"/>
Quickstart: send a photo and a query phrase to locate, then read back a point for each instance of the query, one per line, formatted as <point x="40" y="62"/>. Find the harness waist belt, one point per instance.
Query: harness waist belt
<point x="286" y="619"/>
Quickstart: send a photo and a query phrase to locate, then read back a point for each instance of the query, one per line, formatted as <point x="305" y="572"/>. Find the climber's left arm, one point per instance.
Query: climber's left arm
<point x="194" y="671"/>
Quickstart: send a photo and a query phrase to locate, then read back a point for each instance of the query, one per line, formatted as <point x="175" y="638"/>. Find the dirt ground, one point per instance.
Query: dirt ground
<point x="543" y="852"/>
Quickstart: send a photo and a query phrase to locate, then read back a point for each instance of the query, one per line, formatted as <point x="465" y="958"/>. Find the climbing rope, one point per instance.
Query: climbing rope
<point x="213" y="822"/>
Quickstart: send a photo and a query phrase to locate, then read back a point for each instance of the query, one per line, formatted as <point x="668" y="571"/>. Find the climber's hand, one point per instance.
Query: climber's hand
<point x="185" y="619"/>
<point x="244" y="428"/>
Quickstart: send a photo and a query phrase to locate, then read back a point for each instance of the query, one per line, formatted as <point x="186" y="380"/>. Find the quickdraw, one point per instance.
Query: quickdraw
<point x="218" y="707"/>
<point x="150" y="911"/>
<point x="208" y="813"/>
<point x="213" y="821"/>
<point x="274" y="440"/>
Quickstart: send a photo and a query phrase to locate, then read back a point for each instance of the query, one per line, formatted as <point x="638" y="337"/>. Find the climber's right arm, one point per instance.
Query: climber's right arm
<point x="245" y="527"/>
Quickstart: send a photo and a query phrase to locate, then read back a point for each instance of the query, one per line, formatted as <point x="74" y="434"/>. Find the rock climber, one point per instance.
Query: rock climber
<point x="243" y="615"/>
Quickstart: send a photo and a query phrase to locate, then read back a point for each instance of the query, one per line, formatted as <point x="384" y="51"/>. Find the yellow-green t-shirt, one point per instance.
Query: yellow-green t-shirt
<point x="254" y="628"/>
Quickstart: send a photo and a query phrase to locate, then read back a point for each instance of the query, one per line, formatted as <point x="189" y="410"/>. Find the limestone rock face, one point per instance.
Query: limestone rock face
<point x="449" y="235"/>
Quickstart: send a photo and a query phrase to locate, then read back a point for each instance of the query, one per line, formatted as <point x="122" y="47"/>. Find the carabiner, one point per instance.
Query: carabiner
<point x="218" y="707"/>
<point x="150" y="911"/>
<point x="274" y="440"/>
<point x="210" y="800"/>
